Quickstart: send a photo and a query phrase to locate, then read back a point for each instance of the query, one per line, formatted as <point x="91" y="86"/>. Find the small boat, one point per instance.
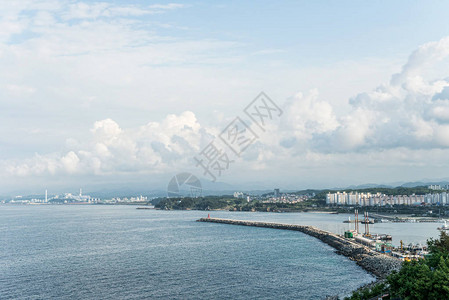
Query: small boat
<point x="371" y="221"/>
<point x="444" y="227"/>
<point x="348" y="220"/>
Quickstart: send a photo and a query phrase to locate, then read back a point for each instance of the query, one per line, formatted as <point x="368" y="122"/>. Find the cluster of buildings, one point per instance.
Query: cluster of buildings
<point x="438" y="187"/>
<point x="279" y="197"/>
<point x="242" y="195"/>
<point x="63" y="198"/>
<point x="287" y="198"/>
<point x="275" y="197"/>
<point x="126" y="199"/>
<point x="69" y="198"/>
<point x="378" y="199"/>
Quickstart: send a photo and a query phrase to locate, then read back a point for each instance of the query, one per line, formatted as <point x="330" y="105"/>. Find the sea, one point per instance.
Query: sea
<point x="120" y="252"/>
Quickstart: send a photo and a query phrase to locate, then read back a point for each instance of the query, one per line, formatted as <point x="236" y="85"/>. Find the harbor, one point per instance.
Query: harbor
<point x="377" y="218"/>
<point x="382" y="242"/>
<point x="375" y="262"/>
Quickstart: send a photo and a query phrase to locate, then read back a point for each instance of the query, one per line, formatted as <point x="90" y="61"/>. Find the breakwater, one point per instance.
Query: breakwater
<point x="376" y="263"/>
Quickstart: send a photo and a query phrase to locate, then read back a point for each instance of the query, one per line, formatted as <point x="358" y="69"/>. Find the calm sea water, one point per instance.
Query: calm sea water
<point x="119" y="252"/>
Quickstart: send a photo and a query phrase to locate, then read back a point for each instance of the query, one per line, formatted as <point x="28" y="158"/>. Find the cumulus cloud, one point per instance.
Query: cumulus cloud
<point x="103" y="66"/>
<point x="410" y="112"/>
<point x="150" y="148"/>
<point x="307" y="116"/>
<point x="426" y="55"/>
<point x="399" y="123"/>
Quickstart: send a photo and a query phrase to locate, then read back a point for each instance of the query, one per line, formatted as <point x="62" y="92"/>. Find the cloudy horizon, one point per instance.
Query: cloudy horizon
<point x="125" y="93"/>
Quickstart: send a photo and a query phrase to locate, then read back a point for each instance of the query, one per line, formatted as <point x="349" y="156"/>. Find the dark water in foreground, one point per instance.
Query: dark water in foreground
<point x="118" y="252"/>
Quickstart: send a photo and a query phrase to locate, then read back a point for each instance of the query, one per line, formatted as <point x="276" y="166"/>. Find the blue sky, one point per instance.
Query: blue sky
<point x="315" y="32"/>
<point x="110" y="92"/>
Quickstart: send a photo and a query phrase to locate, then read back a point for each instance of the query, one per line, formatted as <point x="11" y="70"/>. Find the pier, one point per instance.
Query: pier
<point x="397" y="219"/>
<point x="374" y="262"/>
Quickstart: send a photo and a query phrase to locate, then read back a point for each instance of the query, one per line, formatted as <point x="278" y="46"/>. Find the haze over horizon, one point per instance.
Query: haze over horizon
<point x="105" y="94"/>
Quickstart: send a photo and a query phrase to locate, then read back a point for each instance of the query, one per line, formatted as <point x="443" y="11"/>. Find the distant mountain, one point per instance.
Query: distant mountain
<point x="421" y="183"/>
<point x="425" y="182"/>
<point x="368" y="185"/>
<point x="413" y="184"/>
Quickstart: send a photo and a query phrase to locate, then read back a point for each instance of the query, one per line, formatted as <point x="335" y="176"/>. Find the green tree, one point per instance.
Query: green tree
<point x="438" y="248"/>
<point x="424" y="279"/>
<point x="413" y="281"/>
<point x="440" y="280"/>
<point x="368" y="293"/>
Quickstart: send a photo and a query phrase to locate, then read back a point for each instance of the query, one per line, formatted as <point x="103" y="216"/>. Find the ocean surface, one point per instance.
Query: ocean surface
<point x="119" y="252"/>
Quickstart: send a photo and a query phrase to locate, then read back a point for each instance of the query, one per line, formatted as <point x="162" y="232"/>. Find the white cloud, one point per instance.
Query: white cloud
<point x="83" y="10"/>
<point x="68" y="65"/>
<point x="426" y="55"/>
<point x="403" y="113"/>
<point x="19" y="90"/>
<point x="307" y="115"/>
<point x="408" y="116"/>
<point x="412" y="115"/>
<point x="70" y="162"/>
<point x="110" y="149"/>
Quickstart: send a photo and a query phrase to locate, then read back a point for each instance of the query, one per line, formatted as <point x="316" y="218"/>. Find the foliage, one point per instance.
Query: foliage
<point x="416" y="280"/>
<point x="427" y="278"/>
<point x="368" y="293"/>
<point x="230" y="203"/>
<point x="438" y="248"/>
<point x="197" y="203"/>
<point x="412" y="281"/>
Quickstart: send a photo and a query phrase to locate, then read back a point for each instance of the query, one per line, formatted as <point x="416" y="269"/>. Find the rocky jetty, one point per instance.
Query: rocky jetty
<point x="376" y="263"/>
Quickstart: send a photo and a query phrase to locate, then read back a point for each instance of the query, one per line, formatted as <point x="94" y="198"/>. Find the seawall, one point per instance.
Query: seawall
<point x="376" y="263"/>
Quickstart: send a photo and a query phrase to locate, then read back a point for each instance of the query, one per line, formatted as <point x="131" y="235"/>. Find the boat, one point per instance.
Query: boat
<point x="444" y="227"/>
<point x="371" y="221"/>
<point x="348" y="220"/>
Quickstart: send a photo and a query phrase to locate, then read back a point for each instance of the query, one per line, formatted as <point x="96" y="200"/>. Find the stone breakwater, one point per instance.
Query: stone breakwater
<point x="376" y="263"/>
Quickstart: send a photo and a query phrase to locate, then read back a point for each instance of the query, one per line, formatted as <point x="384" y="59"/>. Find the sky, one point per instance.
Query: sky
<point x="112" y="94"/>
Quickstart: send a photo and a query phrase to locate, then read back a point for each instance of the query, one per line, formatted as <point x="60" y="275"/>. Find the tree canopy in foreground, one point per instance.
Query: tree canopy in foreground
<point x="423" y="279"/>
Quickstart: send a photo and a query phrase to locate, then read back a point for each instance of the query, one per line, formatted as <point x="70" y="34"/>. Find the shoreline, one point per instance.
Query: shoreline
<point x="376" y="264"/>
